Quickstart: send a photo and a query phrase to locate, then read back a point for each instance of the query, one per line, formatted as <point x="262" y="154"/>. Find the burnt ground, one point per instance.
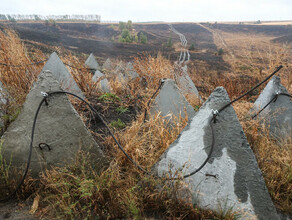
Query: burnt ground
<point x="15" y="210"/>
<point x="284" y="39"/>
<point x="282" y="33"/>
<point x="110" y="113"/>
<point x="270" y="30"/>
<point x="96" y="38"/>
<point x="87" y="38"/>
<point x="20" y="209"/>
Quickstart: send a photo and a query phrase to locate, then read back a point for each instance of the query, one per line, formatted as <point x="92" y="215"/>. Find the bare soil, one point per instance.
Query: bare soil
<point x="97" y="38"/>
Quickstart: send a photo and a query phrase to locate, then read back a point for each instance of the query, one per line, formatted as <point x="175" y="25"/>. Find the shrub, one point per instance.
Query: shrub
<point x="121" y="40"/>
<point x="109" y="97"/>
<point x="129" y="25"/>
<point x="136" y="38"/>
<point x="192" y="47"/>
<point x="143" y="38"/>
<point x="220" y="51"/>
<point x="122" y="110"/>
<point x="118" y="124"/>
<point x="169" y="42"/>
<point x="122" y="25"/>
<point x="258" y="22"/>
<point x="12" y="20"/>
<point x="37" y="18"/>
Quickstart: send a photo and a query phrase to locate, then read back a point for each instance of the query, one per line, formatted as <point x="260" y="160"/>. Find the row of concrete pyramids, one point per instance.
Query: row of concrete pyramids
<point x="127" y="72"/>
<point x="231" y="177"/>
<point x="62" y="74"/>
<point x="123" y="72"/>
<point x="232" y="174"/>
<point x="170" y="101"/>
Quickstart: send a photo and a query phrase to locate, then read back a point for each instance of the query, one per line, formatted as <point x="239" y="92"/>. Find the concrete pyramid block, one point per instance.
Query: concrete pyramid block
<point x="91" y="63"/>
<point x="186" y="84"/>
<point x="120" y="72"/>
<point x="61" y="73"/>
<point x="278" y="115"/>
<point x="103" y="83"/>
<point x="58" y="125"/>
<point x="231" y="178"/>
<point x="3" y="99"/>
<point x="132" y="74"/>
<point x="170" y="101"/>
<point x="108" y="65"/>
<point x="3" y="102"/>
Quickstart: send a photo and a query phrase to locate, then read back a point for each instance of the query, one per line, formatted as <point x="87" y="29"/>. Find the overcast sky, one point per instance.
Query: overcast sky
<point x="157" y="10"/>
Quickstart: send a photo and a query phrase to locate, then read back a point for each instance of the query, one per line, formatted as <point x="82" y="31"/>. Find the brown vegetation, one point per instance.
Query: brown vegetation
<point x="122" y="190"/>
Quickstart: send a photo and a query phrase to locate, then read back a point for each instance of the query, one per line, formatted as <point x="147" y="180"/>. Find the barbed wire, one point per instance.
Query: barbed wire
<point x="22" y="65"/>
<point x="42" y="61"/>
<point x="161" y="82"/>
<point x="84" y="68"/>
<point x="212" y="121"/>
<point x="274" y="99"/>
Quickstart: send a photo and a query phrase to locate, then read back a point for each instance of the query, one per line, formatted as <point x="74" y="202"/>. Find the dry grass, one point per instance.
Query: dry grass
<point x="252" y="58"/>
<point x="145" y="142"/>
<point x="274" y="157"/>
<point x="79" y="192"/>
<point x="17" y="80"/>
<point x="256" y="57"/>
<point x="122" y="191"/>
<point x="275" y="160"/>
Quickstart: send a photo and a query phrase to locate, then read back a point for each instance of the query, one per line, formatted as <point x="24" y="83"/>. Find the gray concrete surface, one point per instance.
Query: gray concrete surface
<point x="3" y="102"/>
<point x="3" y="94"/>
<point x="120" y="73"/>
<point x="61" y="73"/>
<point x="278" y="115"/>
<point x="185" y="83"/>
<point x="91" y="63"/>
<point x="170" y="101"/>
<point x="132" y="74"/>
<point x="231" y="178"/>
<point x="58" y="125"/>
<point x="103" y="83"/>
<point x="108" y="65"/>
<point x="12" y="210"/>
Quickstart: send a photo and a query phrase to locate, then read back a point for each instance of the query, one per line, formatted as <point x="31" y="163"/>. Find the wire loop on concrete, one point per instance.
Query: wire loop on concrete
<point x="161" y="81"/>
<point x="274" y="99"/>
<point x="84" y="68"/>
<point x="214" y="119"/>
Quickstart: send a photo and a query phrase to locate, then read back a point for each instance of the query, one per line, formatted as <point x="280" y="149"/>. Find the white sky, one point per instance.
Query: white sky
<point x="157" y="10"/>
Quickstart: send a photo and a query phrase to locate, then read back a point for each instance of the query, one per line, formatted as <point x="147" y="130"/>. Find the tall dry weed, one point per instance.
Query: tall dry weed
<point x="122" y="191"/>
<point x="274" y="156"/>
<point x="17" y="80"/>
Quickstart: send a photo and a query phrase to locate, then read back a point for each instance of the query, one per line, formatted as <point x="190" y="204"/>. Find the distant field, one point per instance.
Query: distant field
<point x="276" y="23"/>
<point x="102" y="40"/>
<point x="208" y="38"/>
<point x="253" y="22"/>
<point x="235" y="56"/>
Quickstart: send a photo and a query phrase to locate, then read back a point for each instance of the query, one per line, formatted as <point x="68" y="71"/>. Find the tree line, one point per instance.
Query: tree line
<point x="127" y="34"/>
<point x="34" y="17"/>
